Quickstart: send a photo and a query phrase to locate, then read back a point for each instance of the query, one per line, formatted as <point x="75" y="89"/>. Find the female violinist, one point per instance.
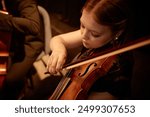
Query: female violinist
<point x="103" y="23"/>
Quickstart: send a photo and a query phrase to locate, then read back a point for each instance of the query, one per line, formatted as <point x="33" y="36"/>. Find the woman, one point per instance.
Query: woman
<point x="104" y="24"/>
<point x="25" y="25"/>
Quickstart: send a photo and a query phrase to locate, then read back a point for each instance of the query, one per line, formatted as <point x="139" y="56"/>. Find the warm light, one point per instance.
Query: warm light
<point x="4" y="12"/>
<point x="2" y="69"/>
<point x="4" y="54"/>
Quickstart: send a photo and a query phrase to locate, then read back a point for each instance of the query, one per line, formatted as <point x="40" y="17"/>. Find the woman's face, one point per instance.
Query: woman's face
<point x="94" y="34"/>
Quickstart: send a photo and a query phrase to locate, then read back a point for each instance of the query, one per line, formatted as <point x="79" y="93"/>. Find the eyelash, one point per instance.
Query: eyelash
<point x="94" y="35"/>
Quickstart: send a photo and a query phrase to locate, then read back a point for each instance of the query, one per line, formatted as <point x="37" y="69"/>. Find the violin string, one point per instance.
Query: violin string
<point x="57" y="91"/>
<point x="62" y="85"/>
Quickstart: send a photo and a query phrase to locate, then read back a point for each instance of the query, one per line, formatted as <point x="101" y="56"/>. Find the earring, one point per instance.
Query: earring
<point x="116" y="38"/>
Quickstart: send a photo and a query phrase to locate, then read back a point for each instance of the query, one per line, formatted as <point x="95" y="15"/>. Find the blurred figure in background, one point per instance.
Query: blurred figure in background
<point x="24" y="23"/>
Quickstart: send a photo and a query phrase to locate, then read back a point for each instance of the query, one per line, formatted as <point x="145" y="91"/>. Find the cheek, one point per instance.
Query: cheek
<point x="92" y="43"/>
<point x="96" y="43"/>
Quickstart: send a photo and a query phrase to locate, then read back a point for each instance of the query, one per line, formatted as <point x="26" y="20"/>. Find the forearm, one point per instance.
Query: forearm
<point x="70" y="40"/>
<point x="57" y="44"/>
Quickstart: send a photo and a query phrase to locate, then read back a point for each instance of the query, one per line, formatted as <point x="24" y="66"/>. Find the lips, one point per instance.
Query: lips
<point x="84" y="41"/>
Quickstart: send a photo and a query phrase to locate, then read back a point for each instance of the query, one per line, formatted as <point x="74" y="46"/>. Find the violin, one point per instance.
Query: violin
<point x="83" y="73"/>
<point x="5" y="38"/>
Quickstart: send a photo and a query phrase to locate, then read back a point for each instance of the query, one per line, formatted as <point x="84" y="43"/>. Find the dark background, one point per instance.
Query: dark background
<point x="64" y="12"/>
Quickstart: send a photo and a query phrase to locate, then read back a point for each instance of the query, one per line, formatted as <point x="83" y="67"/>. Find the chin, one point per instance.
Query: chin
<point x="88" y="46"/>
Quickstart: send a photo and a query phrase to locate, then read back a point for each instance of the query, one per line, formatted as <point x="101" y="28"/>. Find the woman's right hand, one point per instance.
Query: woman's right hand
<point x="60" y="45"/>
<point x="56" y="61"/>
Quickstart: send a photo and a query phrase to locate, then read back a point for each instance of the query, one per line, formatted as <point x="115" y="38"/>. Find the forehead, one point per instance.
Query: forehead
<point x="87" y="19"/>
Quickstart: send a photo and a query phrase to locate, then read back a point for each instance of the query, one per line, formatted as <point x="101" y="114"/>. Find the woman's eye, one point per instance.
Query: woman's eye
<point x="95" y="35"/>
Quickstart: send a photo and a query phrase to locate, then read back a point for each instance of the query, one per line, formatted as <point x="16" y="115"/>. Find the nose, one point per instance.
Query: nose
<point x="85" y="34"/>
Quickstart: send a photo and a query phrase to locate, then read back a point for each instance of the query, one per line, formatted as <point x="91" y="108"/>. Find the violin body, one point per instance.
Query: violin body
<point x="84" y="77"/>
<point x="80" y="79"/>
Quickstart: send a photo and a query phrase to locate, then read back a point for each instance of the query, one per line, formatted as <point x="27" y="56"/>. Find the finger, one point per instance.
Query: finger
<point x="48" y="63"/>
<point x="53" y="64"/>
<point x="60" y="63"/>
